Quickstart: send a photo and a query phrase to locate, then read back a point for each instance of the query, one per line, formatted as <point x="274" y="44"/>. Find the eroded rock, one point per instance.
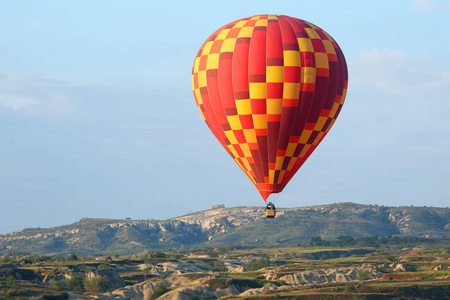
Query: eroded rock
<point x="329" y="275"/>
<point x="113" y="280"/>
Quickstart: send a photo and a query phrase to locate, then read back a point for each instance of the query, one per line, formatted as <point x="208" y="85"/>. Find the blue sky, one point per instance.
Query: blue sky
<point x="97" y="116"/>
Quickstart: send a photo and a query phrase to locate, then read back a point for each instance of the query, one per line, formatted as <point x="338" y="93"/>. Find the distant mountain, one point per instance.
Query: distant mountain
<point x="221" y="226"/>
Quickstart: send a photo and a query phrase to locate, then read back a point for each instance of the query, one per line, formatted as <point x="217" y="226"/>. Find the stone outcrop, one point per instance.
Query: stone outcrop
<point x="195" y="286"/>
<point x="234" y="265"/>
<point x="198" y="292"/>
<point x="181" y="287"/>
<point x="59" y="277"/>
<point x="398" y="267"/>
<point x="440" y="267"/>
<point x="234" y="217"/>
<point x="269" y="287"/>
<point x="325" y="276"/>
<point x="176" y="268"/>
<point x="143" y="290"/>
<point x="113" y="280"/>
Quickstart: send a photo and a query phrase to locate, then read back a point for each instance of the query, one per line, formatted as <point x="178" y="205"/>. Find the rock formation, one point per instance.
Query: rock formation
<point x="112" y="278"/>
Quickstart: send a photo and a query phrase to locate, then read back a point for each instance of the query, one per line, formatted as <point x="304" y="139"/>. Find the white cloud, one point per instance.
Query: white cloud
<point x="33" y="95"/>
<point x="15" y="103"/>
<point x="401" y="75"/>
<point x="424" y="5"/>
<point x="399" y="101"/>
<point x="429" y="6"/>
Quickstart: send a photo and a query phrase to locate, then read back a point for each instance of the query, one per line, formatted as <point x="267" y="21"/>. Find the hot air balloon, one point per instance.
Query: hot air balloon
<point x="270" y="87"/>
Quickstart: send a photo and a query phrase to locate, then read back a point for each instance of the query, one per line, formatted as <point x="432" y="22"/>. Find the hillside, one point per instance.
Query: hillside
<point x="222" y="226"/>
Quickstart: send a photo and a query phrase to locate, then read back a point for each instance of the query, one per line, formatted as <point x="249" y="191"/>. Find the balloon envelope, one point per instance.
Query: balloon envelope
<point x="269" y="87"/>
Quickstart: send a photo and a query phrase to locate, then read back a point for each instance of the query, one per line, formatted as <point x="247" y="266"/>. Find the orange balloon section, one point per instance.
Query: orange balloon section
<point x="270" y="87"/>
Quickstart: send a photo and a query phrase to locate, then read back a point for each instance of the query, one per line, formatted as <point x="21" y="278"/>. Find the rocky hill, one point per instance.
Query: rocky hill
<point x="221" y="226"/>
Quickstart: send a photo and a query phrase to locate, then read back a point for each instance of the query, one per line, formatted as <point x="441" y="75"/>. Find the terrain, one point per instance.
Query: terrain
<point x="336" y="251"/>
<point x="404" y="271"/>
<point x="236" y="226"/>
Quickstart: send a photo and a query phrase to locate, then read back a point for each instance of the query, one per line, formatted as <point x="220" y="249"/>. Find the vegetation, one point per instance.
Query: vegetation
<point x="159" y="291"/>
<point x="219" y="266"/>
<point x="76" y="283"/>
<point x="350" y="288"/>
<point x="257" y="264"/>
<point x="72" y="257"/>
<point x="368" y="241"/>
<point x="96" y="285"/>
<point x="71" y="275"/>
<point x="364" y="275"/>
<point x="343" y="236"/>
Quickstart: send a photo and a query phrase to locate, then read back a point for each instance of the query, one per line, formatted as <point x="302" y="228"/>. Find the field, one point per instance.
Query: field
<point x="291" y="272"/>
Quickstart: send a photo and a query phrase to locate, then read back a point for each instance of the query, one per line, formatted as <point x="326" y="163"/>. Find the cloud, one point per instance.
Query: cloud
<point x="401" y="75"/>
<point x="428" y="6"/>
<point x="399" y="101"/>
<point x="424" y="5"/>
<point x="33" y="95"/>
<point x="14" y="102"/>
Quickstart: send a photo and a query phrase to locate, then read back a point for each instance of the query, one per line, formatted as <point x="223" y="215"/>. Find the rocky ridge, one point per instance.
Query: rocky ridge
<point x="182" y="286"/>
<point x="229" y="226"/>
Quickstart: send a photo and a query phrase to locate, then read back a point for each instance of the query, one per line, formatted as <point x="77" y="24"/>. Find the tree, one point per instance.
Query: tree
<point x="11" y="281"/>
<point x="96" y="285"/>
<point x="72" y="257"/>
<point x="350" y="288"/>
<point x="159" y="254"/>
<point x="364" y="275"/>
<point x="60" y="285"/>
<point x="257" y="264"/>
<point x="316" y="241"/>
<point x="59" y="258"/>
<point x="148" y="270"/>
<point x="103" y="267"/>
<point x="346" y="239"/>
<point x="219" y="266"/>
<point x="76" y="283"/>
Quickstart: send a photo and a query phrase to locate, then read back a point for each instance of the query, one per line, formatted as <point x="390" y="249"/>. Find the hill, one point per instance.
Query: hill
<point x="221" y="226"/>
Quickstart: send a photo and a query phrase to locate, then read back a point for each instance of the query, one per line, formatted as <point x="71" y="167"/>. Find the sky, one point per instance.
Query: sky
<point x="98" y="118"/>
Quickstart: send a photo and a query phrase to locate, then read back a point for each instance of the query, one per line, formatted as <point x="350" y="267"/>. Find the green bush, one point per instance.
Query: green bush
<point x="392" y="258"/>
<point x="410" y="268"/>
<point x="148" y="254"/>
<point x="219" y="266"/>
<point x="159" y="254"/>
<point x="61" y="296"/>
<point x="11" y="281"/>
<point x="60" y="285"/>
<point x="257" y="264"/>
<point x="350" y="288"/>
<point x="15" y="293"/>
<point x="364" y="275"/>
<point x="76" y="283"/>
<point x="159" y="291"/>
<point x="72" y="257"/>
<point x="316" y="241"/>
<point x="59" y="258"/>
<point x="148" y="270"/>
<point x="96" y="285"/>
<point x="103" y="267"/>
